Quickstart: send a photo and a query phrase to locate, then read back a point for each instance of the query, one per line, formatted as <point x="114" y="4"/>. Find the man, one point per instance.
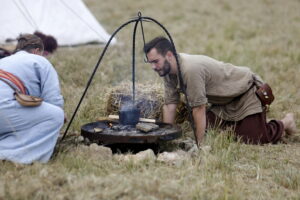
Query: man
<point x="29" y="134"/>
<point x="228" y="89"/>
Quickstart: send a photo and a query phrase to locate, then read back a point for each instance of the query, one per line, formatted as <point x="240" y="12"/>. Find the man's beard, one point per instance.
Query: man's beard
<point x="165" y="69"/>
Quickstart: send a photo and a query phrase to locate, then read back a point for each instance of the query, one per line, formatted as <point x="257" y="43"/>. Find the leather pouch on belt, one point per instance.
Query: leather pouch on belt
<point x="27" y="100"/>
<point x="265" y="94"/>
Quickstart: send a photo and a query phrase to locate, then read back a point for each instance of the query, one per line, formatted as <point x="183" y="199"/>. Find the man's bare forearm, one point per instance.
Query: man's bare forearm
<point x="199" y="115"/>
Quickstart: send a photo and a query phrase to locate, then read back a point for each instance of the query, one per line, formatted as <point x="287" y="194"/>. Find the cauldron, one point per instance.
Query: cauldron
<point x="129" y="115"/>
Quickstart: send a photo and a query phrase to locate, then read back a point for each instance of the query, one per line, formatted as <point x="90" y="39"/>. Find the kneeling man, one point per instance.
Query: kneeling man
<point x="229" y="89"/>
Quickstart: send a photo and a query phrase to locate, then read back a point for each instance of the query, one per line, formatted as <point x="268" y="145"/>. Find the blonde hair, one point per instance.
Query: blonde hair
<point x="28" y="42"/>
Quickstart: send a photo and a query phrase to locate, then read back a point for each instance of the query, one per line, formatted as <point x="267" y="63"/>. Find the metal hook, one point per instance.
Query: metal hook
<point x="139" y="14"/>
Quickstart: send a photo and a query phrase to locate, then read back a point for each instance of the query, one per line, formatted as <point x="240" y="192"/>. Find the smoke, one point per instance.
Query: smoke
<point x="128" y="105"/>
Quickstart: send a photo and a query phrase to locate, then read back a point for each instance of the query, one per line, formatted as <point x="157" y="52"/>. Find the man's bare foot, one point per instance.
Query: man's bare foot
<point x="289" y="124"/>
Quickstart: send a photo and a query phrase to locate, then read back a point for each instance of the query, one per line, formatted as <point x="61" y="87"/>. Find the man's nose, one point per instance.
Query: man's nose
<point x="153" y="66"/>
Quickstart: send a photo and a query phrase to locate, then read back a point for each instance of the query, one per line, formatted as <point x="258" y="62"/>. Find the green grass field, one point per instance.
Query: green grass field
<point x="260" y="34"/>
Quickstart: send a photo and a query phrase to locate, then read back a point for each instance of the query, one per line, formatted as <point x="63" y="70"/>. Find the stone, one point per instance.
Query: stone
<point x="100" y="151"/>
<point x="80" y="139"/>
<point x="87" y="141"/>
<point x="175" y="158"/>
<point x="94" y="146"/>
<point x="139" y="157"/>
<point x="144" y="155"/>
<point x="146" y="127"/>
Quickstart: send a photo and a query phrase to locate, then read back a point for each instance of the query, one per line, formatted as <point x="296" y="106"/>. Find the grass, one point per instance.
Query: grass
<point x="261" y="34"/>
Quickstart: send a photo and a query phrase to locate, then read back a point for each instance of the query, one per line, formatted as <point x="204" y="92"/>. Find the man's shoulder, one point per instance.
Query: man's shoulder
<point x="197" y="60"/>
<point x="195" y="56"/>
<point x="193" y="63"/>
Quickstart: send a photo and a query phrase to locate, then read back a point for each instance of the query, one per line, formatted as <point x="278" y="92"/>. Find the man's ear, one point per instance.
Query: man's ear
<point x="169" y="56"/>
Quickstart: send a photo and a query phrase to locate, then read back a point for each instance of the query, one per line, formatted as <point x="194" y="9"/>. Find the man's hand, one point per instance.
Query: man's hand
<point x="199" y="115"/>
<point x="169" y="113"/>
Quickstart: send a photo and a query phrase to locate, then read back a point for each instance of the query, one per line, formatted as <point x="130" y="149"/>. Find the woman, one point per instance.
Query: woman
<point x="29" y="134"/>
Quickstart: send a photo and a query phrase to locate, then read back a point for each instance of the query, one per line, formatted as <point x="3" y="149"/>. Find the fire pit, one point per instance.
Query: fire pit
<point x="125" y="131"/>
<point x="108" y="132"/>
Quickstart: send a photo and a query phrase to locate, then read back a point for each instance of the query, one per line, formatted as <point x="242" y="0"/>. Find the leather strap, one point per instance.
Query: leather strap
<point x="8" y="83"/>
<point x="14" y="80"/>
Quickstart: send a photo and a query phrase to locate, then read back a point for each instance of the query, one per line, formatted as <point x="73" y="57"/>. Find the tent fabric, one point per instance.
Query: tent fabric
<point x="69" y="21"/>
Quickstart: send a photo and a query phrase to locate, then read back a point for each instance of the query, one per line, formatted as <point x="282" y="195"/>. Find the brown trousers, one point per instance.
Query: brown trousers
<point x="254" y="129"/>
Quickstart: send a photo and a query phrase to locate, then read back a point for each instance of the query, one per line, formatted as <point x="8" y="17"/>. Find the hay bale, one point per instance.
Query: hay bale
<point x="149" y="98"/>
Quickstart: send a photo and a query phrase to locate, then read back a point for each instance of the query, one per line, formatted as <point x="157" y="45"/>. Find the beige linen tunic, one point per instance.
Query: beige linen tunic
<point x="227" y="88"/>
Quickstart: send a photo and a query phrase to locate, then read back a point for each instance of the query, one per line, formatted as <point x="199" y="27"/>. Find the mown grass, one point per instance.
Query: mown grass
<point x="261" y="34"/>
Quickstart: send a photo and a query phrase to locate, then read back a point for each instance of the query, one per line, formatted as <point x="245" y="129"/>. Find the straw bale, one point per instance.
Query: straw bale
<point x="149" y="98"/>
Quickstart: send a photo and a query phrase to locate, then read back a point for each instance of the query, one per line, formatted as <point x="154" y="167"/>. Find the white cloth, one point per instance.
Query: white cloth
<point x="29" y="134"/>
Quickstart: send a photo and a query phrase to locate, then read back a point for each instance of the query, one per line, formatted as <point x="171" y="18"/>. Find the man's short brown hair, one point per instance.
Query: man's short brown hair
<point x="161" y="44"/>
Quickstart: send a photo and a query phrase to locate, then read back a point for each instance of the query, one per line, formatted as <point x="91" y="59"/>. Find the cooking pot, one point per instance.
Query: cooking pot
<point x="129" y="115"/>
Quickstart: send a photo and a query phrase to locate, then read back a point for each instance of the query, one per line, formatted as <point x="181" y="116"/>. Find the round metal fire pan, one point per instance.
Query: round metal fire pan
<point x="103" y="132"/>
